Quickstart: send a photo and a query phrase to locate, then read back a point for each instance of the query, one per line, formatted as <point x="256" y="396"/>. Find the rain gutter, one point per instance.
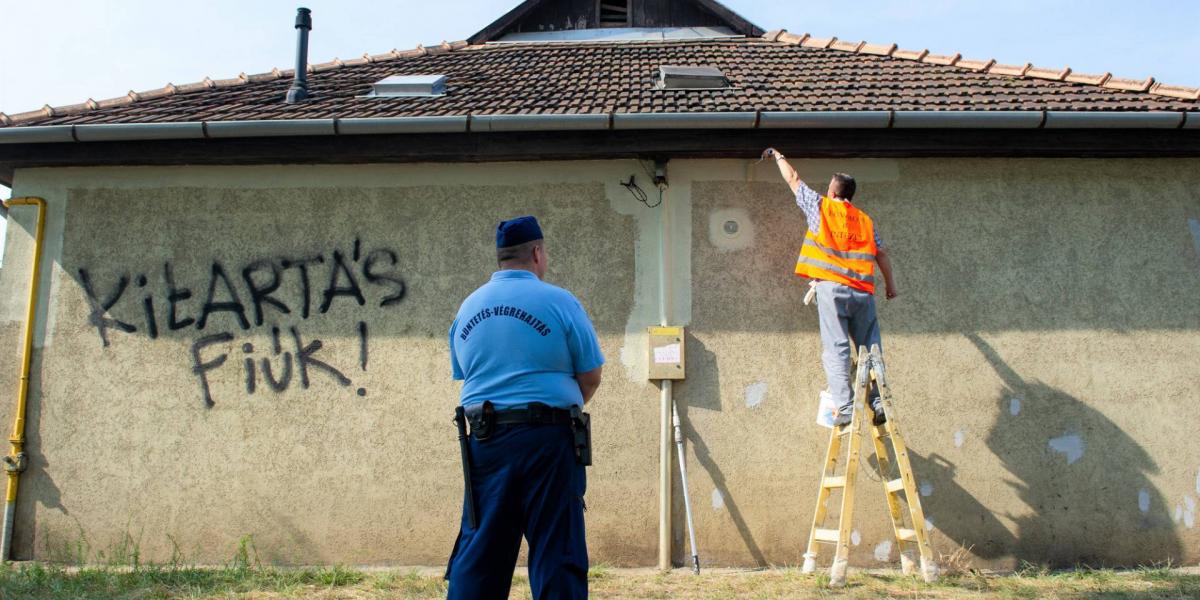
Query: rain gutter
<point x="604" y="121"/>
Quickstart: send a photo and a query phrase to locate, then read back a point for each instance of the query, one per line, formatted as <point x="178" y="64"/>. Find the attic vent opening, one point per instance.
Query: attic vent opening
<point x="613" y="13"/>
<point x="691" y="78"/>
<point x="404" y="86"/>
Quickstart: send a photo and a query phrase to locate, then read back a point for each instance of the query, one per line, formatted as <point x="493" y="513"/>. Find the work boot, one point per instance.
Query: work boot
<point x="879" y="418"/>
<point x="843" y="419"/>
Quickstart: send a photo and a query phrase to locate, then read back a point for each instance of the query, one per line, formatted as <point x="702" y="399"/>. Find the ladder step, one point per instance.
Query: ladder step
<point x="843" y="430"/>
<point x="834" y="482"/>
<point x="826" y="535"/>
<point x="906" y="535"/>
<point x="895" y="485"/>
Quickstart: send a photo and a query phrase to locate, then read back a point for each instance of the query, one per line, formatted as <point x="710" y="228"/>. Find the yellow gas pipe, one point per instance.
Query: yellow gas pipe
<point x="14" y="463"/>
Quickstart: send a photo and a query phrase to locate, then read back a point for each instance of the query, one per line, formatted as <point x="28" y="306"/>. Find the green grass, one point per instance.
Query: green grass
<point x="245" y="578"/>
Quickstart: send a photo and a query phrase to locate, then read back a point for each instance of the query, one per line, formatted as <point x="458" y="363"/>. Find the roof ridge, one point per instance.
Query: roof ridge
<point x="990" y="66"/>
<point x="242" y="78"/>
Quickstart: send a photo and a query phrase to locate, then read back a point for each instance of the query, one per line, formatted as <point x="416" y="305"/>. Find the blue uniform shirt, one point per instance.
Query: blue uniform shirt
<point x="518" y="340"/>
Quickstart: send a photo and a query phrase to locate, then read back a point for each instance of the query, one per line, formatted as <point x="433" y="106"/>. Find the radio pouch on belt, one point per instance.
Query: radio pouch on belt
<point x="581" y="426"/>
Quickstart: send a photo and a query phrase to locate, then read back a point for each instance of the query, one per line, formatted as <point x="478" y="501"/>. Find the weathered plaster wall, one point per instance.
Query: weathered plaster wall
<point x="1039" y="353"/>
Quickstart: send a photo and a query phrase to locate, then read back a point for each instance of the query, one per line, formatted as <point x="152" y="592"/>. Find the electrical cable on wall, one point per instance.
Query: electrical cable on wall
<point x="639" y="194"/>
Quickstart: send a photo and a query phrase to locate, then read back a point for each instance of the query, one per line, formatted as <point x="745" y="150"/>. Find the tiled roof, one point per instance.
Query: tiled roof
<point x="778" y="72"/>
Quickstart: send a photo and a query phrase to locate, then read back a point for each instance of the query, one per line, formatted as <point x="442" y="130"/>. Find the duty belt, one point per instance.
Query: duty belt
<point x="532" y="414"/>
<point x="484" y="418"/>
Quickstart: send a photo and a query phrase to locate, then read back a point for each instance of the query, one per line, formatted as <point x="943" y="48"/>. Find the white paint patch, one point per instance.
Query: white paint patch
<point x="1070" y="445"/>
<point x="730" y="229"/>
<point x="1198" y="481"/>
<point x="883" y="551"/>
<point x="1144" y="500"/>
<point x="1178" y="513"/>
<point x="755" y="394"/>
<point x="926" y="489"/>
<point x="1189" y="512"/>
<point x="960" y="437"/>
<point x="718" y="500"/>
<point x="1014" y="406"/>
<point x="928" y="524"/>
<point x="1194" y="225"/>
<point x="855" y="538"/>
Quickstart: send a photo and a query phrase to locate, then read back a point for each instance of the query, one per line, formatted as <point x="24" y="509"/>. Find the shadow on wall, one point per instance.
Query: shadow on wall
<point x="702" y="390"/>
<point x="1084" y="480"/>
<point x="704" y="457"/>
<point x="956" y="513"/>
<point x="41" y="489"/>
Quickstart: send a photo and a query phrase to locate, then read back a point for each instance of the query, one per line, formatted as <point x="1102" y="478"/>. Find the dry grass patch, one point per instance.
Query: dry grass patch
<point x="328" y="583"/>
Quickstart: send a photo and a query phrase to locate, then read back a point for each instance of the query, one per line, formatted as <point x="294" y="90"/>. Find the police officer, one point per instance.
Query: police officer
<point x="840" y="251"/>
<point x="529" y="359"/>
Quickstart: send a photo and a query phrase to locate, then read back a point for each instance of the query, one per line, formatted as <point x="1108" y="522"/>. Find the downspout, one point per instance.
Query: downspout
<point x="14" y="463"/>
<point x="665" y="389"/>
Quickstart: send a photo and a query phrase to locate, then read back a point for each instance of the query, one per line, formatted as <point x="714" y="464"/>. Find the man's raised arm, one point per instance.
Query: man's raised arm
<point x="789" y="174"/>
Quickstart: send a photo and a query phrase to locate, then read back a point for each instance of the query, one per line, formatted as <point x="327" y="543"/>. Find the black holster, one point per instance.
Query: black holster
<point x="483" y="420"/>
<point x="581" y="427"/>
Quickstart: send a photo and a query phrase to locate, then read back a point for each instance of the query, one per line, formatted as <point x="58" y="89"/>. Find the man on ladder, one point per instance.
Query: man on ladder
<point x="839" y="253"/>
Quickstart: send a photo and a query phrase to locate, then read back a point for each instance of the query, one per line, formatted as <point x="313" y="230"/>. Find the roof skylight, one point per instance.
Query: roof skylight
<point x="691" y="78"/>
<point x="403" y="86"/>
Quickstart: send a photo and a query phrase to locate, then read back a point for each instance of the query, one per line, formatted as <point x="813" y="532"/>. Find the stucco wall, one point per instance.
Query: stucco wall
<point x="1040" y="354"/>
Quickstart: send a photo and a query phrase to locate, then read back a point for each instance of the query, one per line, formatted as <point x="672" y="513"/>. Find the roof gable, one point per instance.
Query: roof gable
<point x="555" y="15"/>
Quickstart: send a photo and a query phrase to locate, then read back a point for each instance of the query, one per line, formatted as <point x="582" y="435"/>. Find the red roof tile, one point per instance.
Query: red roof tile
<point x="779" y="72"/>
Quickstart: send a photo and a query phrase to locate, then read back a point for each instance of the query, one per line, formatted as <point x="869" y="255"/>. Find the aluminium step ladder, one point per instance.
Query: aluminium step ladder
<point x="900" y="492"/>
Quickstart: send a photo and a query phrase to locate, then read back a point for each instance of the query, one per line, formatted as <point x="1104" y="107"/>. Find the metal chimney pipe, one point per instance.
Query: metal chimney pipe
<point x="299" y="89"/>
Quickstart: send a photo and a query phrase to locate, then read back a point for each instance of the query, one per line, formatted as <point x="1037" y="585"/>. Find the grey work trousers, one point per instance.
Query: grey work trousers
<point x="845" y="314"/>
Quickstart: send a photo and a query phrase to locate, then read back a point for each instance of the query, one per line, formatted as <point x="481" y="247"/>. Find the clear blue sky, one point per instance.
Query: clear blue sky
<point x="67" y="51"/>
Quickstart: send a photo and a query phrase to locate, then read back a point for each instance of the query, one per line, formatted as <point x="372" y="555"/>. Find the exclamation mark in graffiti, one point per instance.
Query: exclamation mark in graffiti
<point x="362" y="350"/>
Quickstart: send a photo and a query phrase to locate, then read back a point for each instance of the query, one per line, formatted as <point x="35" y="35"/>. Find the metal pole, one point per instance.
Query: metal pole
<point x="687" y="502"/>
<point x="664" y="478"/>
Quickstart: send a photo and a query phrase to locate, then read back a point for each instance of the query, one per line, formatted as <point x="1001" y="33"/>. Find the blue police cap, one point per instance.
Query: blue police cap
<point x="517" y="231"/>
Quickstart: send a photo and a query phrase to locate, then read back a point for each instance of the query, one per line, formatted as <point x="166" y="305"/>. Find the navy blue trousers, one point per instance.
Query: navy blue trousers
<point x="526" y="482"/>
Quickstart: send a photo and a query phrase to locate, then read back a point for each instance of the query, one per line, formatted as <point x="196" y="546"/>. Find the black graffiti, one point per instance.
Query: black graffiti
<point x="334" y="289"/>
<point x="260" y="293"/>
<point x="388" y="280"/>
<point x="281" y="384"/>
<point x="175" y="295"/>
<point x="202" y="368"/>
<point x="267" y="288"/>
<point x="306" y="360"/>
<point x="362" y="345"/>
<point x="232" y="305"/>
<point x="98" y="317"/>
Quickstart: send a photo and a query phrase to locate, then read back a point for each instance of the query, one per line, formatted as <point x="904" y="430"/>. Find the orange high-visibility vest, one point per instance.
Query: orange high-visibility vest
<point x="843" y="249"/>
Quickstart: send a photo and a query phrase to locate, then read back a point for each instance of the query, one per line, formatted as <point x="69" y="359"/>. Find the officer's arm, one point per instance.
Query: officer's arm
<point x="885" y="265"/>
<point x="789" y="174"/>
<point x="589" y="382"/>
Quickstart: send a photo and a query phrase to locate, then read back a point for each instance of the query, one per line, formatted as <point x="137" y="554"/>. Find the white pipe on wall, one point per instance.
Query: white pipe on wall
<point x="665" y="389"/>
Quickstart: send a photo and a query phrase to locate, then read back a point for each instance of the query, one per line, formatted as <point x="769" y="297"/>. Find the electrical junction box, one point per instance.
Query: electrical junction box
<point x="666" y="353"/>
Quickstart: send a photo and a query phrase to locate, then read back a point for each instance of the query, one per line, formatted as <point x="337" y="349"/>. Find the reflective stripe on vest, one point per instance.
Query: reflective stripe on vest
<point x="843" y="254"/>
<point x="843" y="248"/>
<point x="820" y="264"/>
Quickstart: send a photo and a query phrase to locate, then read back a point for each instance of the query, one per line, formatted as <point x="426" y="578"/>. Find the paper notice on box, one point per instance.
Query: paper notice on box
<point x="666" y="355"/>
